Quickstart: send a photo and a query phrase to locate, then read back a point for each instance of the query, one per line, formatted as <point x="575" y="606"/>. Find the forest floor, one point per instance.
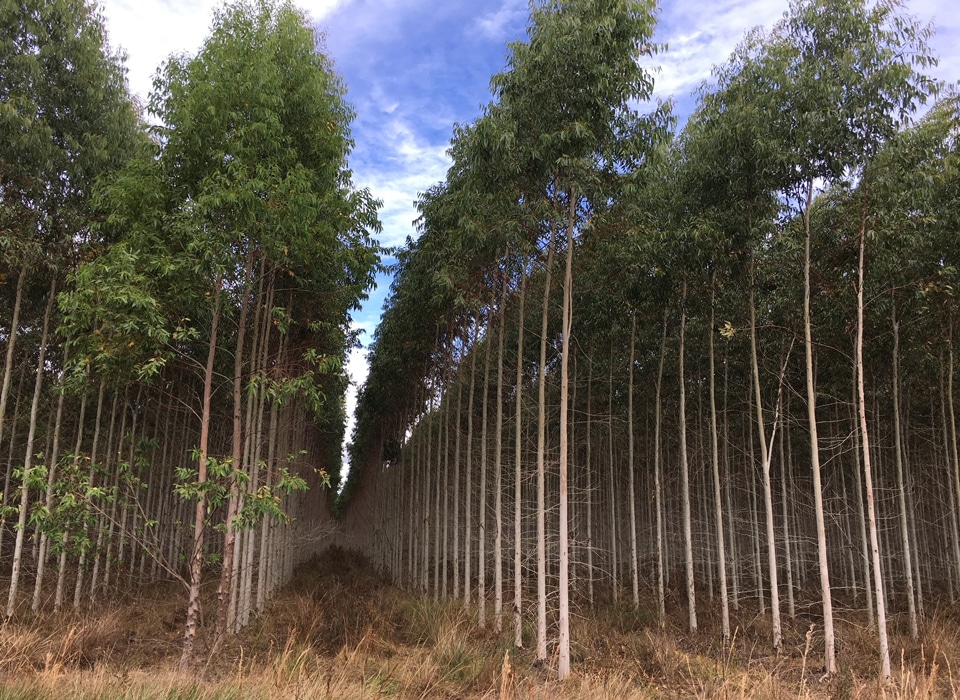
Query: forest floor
<point x="340" y="631"/>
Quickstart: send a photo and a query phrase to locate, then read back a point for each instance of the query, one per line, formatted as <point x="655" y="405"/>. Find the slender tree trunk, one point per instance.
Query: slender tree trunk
<point x="85" y="547"/>
<point x="446" y="474"/>
<point x="484" y="439"/>
<point x="861" y="506"/>
<point x="456" y="477"/>
<point x="728" y="490"/>
<point x="867" y="468"/>
<point x="498" y="469"/>
<point x="765" y="461"/>
<point x="28" y="456"/>
<point x="611" y="482"/>
<point x="588" y="468"/>
<point x="830" y="658"/>
<point x="563" y="664"/>
<point x="631" y="467"/>
<point x="658" y="477"/>
<point x="685" y="473"/>
<point x="518" y="474"/>
<point x="426" y="456"/>
<point x="196" y="554"/>
<point x="434" y="465"/>
<point x="754" y="520"/>
<point x="715" y="461"/>
<point x="901" y="487"/>
<point x="230" y="534"/>
<point x="468" y="486"/>
<point x="62" y="570"/>
<point x="52" y="456"/>
<point x="954" y="455"/>
<point x="791" y="555"/>
<point x="541" y="456"/>
<point x="5" y="390"/>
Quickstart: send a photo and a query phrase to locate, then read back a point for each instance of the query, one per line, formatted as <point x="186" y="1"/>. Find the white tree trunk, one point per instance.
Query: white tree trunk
<point x="765" y="461"/>
<point x="685" y="476"/>
<point x="867" y="469"/>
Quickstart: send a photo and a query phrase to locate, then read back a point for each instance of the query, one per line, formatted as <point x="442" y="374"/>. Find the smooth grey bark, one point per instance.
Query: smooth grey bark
<point x="867" y="457"/>
<point x="518" y="474"/>
<point x="765" y="458"/>
<point x="541" y="456"/>
<point x="28" y="456"/>
<point x="830" y="657"/>
<point x="715" y="463"/>
<point x="901" y="486"/>
<point x="685" y="474"/>
<point x="658" y="478"/>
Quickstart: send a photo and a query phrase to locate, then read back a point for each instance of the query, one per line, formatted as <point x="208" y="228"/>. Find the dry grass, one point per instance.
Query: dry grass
<point x="339" y="631"/>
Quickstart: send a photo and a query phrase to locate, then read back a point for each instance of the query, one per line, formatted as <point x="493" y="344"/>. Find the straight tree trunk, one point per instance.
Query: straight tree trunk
<point x="867" y="468"/>
<point x="861" y="506"/>
<point x="612" y="493"/>
<point x="631" y="467"/>
<point x="456" y="477"/>
<point x="786" y="487"/>
<point x="62" y="569"/>
<point x="588" y="469"/>
<point x="468" y="486"/>
<point x="734" y="560"/>
<point x="563" y="663"/>
<point x="658" y="477"/>
<point x="715" y="462"/>
<point x="52" y="456"/>
<point x="830" y="658"/>
<point x="518" y="474"/>
<point x="28" y="456"/>
<point x="765" y="461"/>
<point x="954" y="455"/>
<point x="901" y="487"/>
<point x="541" y="457"/>
<point x="685" y="474"/>
<point x="196" y="554"/>
<point x="446" y="475"/>
<point x="484" y="439"/>
<point x="498" y="470"/>
<point x="5" y="389"/>
<point x="230" y="534"/>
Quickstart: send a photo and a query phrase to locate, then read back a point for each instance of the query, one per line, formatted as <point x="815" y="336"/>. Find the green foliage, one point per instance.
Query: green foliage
<point x="564" y="130"/>
<point x="65" y="119"/>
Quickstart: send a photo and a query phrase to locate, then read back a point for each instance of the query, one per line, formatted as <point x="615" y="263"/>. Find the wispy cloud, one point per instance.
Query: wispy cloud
<point x="149" y="32"/>
<point x="397" y="165"/>
<point x="501" y="24"/>
<point x="700" y="36"/>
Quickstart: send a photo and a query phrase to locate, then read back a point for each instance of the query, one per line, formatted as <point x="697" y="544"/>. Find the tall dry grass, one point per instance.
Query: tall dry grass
<point x="340" y="631"/>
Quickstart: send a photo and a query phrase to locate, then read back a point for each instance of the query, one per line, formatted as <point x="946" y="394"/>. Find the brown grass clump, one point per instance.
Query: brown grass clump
<point x="341" y="631"/>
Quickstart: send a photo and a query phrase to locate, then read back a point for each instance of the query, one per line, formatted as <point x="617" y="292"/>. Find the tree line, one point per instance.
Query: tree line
<point x="713" y="363"/>
<point x="176" y="289"/>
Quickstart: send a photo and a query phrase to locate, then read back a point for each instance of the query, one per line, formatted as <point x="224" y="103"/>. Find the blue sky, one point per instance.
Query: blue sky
<point x="414" y="68"/>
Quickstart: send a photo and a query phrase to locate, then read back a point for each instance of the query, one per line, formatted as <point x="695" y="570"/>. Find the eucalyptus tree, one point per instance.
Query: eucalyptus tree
<point x="248" y="185"/>
<point x="66" y="120"/>
<point x="907" y="176"/>
<point x="849" y="76"/>
<point x="567" y="96"/>
<point x="726" y="180"/>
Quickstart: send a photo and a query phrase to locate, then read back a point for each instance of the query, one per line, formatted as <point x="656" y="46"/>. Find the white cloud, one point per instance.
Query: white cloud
<point x="700" y="36"/>
<point x="149" y="31"/>
<point x="406" y="165"/>
<point x="495" y="24"/>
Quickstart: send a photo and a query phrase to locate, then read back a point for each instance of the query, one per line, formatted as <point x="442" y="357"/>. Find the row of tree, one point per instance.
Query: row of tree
<point x="175" y="306"/>
<point x="744" y="379"/>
